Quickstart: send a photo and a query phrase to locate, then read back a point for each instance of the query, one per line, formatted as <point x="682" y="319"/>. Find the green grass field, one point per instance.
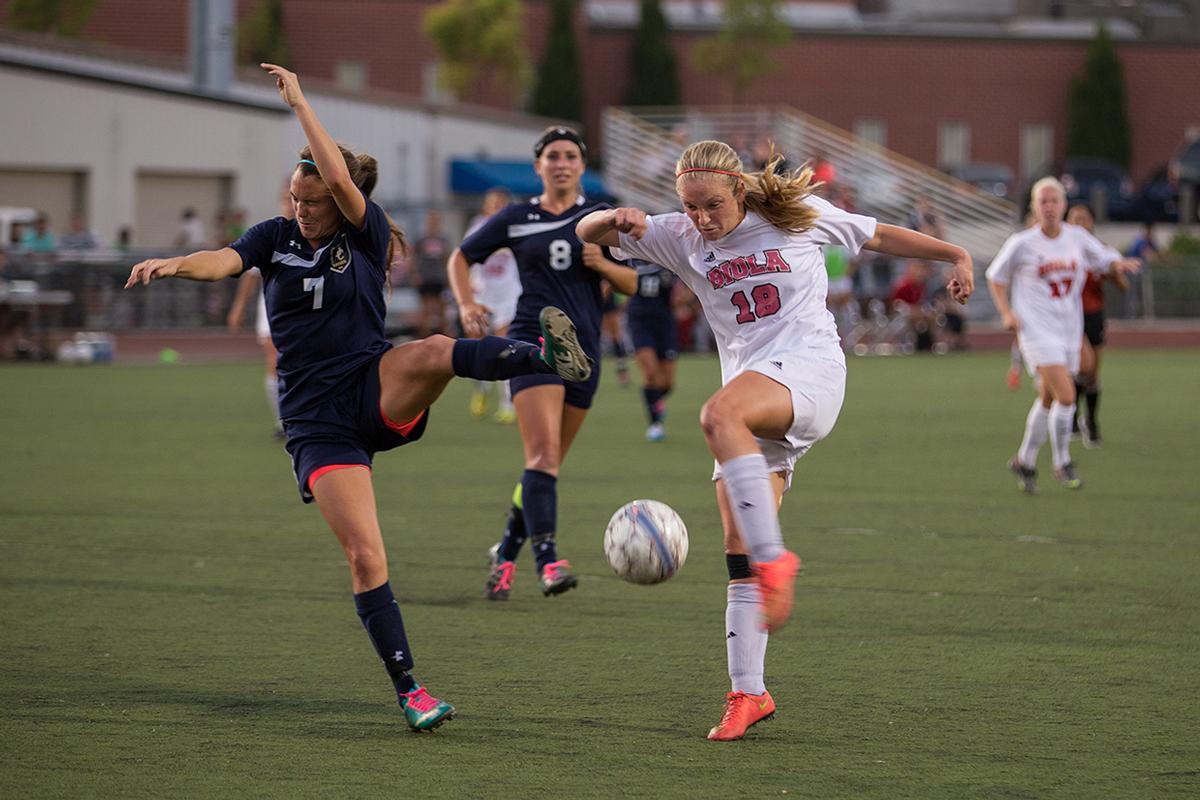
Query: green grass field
<point x="175" y="623"/>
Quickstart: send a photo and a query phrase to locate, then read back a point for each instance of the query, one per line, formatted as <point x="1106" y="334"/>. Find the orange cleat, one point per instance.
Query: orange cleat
<point x="741" y="712"/>
<point x="777" y="589"/>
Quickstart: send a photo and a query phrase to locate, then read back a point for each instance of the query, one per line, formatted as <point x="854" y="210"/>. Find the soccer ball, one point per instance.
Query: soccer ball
<point x="645" y="542"/>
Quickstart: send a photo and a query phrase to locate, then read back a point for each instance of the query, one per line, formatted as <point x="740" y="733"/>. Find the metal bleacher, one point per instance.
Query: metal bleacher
<point x="641" y="147"/>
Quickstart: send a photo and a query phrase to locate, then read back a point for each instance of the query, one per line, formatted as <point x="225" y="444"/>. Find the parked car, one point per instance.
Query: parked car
<point x="995" y="179"/>
<point x="1158" y="198"/>
<point x="1086" y="178"/>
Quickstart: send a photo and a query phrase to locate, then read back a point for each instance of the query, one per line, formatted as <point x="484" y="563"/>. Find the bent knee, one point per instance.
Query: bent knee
<point x="719" y="414"/>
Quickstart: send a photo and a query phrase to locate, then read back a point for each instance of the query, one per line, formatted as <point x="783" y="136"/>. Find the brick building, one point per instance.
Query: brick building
<point x="940" y="81"/>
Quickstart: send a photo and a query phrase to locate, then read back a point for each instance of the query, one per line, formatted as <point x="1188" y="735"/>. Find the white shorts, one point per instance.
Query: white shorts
<point x="817" y="383"/>
<point x="1047" y="351"/>
<point x="262" y="325"/>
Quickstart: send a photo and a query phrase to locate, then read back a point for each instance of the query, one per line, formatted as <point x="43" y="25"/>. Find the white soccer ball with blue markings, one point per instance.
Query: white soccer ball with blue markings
<point x="646" y="542"/>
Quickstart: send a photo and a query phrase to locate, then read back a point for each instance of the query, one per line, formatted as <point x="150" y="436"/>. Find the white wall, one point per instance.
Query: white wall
<point x="111" y="132"/>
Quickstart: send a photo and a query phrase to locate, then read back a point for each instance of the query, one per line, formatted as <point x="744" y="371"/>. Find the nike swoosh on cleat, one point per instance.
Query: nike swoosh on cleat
<point x="762" y="706"/>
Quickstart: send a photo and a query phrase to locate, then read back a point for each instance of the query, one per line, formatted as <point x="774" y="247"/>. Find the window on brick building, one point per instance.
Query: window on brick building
<point x="954" y="143"/>
<point x="1037" y="148"/>
<point x="871" y="130"/>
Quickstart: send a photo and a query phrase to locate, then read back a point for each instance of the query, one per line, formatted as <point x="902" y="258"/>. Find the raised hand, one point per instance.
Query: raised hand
<point x="287" y="83"/>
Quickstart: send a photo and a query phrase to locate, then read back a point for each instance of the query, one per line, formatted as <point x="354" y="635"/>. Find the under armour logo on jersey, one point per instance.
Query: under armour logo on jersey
<point x="710" y="257"/>
<point x="731" y="635"/>
<point x="533" y="216"/>
<point x="398" y="656"/>
<point x="777" y="364"/>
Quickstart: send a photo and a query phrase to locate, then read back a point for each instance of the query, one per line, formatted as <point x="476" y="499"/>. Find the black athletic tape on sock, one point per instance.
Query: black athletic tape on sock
<point x="738" y="566"/>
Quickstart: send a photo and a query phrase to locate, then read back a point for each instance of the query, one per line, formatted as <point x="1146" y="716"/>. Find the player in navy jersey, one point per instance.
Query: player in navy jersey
<point x="651" y="322"/>
<point x="550" y="258"/>
<point x="345" y="392"/>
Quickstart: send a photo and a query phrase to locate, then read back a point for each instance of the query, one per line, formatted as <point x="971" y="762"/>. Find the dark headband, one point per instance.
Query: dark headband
<point x="556" y="135"/>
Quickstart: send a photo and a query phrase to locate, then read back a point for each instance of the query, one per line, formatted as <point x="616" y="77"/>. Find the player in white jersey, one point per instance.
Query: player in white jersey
<point x="497" y="285"/>
<point x="749" y="246"/>
<point x="1045" y="266"/>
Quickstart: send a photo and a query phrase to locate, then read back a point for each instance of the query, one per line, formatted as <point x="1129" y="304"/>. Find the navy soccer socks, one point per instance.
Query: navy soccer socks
<point x="539" y="498"/>
<point x="380" y="615"/>
<point x="494" y="358"/>
<point x="654" y="403"/>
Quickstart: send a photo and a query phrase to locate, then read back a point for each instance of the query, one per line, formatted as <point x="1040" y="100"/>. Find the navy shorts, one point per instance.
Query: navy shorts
<point x="1093" y="327"/>
<point x="346" y="429"/>
<point x="579" y="395"/>
<point x="658" y="333"/>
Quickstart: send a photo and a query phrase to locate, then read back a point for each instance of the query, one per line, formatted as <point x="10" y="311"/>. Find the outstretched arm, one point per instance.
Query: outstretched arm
<point x="999" y="293"/>
<point x="622" y="278"/>
<point x="474" y="316"/>
<point x="905" y="243"/>
<point x="604" y="227"/>
<point x="330" y="164"/>
<point x="206" y="265"/>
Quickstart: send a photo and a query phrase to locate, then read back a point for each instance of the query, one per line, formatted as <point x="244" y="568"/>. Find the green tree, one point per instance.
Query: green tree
<point x="261" y="36"/>
<point x="743" y="50"/>
<point x="559" y="89"/>
<point x="478" y="37"/>
<point x="653" y="79"/>
<point x="63" y="17"/>
<point x="1097" y="110"/>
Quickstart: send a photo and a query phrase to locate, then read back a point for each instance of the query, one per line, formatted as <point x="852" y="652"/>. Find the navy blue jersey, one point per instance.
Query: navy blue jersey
<point x="550" y="260"/>
<point x="653" y="297"/>
<point x="326" y="306"/>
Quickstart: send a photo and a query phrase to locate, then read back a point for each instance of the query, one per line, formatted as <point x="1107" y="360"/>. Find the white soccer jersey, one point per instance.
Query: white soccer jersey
<point x="762" y="289"/>
<point x="496" y="282"/>
<point x="1046" y="277"/>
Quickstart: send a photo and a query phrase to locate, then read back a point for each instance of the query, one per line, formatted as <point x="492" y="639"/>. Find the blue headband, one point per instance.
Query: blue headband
<point x="307" y="161"/>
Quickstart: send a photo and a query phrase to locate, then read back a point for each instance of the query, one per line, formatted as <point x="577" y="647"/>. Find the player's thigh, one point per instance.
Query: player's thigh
<point x="754" y="400"/>
<point x="1058" y="383"/>
<point x="1087" y="358"/>
<point x="347" y="501"/>
<point x="539" y="418"/>
<point x="413" y="375"/>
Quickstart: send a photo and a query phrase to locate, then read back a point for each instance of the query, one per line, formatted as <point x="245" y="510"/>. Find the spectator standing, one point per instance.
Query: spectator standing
<point x="432" y="250"/>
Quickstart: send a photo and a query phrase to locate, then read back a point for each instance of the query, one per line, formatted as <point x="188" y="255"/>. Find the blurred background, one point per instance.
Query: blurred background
<point x="133" y="128"/>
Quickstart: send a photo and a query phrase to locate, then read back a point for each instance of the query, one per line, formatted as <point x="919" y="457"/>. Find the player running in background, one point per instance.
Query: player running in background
<point x="346" y="393"/>
<point x="1046" y="266"/>
<point x="497" y="286"/>
<point x="612" y="333"/>
<point x="1087" y="382"/>
<point x="749" y="246"/>
<point x="550" y="257"/>
<point x="651" y="318"/>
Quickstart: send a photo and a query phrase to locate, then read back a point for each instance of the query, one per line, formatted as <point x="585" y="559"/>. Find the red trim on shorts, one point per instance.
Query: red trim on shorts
<point x="319" y="471"/>
<point x="399" y="427"/>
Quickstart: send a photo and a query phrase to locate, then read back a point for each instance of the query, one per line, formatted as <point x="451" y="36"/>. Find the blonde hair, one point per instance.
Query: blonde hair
<point x="773" y="196"/>
<point x="1042" y="183"/>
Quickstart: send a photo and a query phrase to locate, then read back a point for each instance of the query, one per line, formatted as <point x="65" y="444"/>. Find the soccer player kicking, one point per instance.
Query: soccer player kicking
<point x="347" y="393"/>
<point x="749" y="246"/>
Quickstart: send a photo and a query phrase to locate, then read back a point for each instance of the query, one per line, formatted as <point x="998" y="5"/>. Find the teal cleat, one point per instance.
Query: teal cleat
<point x="424" y="712"/>
<point x="561" y="348"/>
